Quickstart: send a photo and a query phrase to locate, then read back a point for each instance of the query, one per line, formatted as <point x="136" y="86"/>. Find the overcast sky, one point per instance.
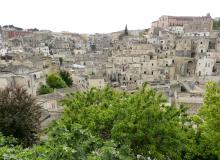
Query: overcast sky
<point x="98" y="16"/>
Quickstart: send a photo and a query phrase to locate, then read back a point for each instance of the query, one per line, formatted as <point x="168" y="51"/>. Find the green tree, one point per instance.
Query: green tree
<point x="208" y="132"/>
<point x="216" y="24"/>
<point x="55" y="81"/>
<point x="108" y="124"/>
<point x="44" y="89"/>
<point x="137" y="121"/>
<point x="19" y="115"/>
<point x="65" y="75"/>
<point x="126" y="30"/>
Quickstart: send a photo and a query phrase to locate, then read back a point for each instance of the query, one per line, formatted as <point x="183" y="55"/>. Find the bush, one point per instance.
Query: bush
<point x="19" y="115"/>
<point x="55" y="81"/>
<point x="65" y="75"/>
<point x="44" y="89"/>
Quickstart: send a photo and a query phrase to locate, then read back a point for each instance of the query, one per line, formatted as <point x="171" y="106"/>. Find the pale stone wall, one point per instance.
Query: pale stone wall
<point x="4" y="82"/>
<point x="98" y="83"/>
<point x="205" y="66"/>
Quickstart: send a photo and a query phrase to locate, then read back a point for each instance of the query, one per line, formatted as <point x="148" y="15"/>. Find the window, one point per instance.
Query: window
<point x="29" y="85"/>
<point x="53" y="106"/>
<point x="35" y="77"/>
<point x="152" y="73"/>
<point x="200" y="42"/>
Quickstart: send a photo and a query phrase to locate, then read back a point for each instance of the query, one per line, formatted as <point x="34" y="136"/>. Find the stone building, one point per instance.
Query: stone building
<point x="22" y="76"/>
<point x="205" y="66"/>
<point x="190" y="24"/>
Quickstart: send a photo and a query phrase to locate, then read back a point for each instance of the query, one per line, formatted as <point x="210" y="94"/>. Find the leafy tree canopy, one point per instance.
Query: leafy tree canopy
<point x="108" y="124"/>
<point x="208" y="134"/>
<point x="65" y="75"/>
<point x="138" y="121"/>
<point x="44" y="89"/>
<point x="216" y="24"/>
<point x="19" y="115"/>
<point x="55" y="81"/>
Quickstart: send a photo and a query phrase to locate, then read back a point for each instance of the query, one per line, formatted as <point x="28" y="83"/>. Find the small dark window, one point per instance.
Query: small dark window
<point x="35" y="77"/>
<point x="183" y="89"/>
<point x="29" y="85"/>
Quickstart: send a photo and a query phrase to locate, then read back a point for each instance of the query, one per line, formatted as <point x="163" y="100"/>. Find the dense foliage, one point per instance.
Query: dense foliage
<point x="208" y="132"/>
<point x="113" y="125"/>
<point x="19" y="115"/>
<point x="44" y="89"/>
<point x="216" y="24"/>
<point x="65" y="75"/>
<point x="55" y="81"/>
